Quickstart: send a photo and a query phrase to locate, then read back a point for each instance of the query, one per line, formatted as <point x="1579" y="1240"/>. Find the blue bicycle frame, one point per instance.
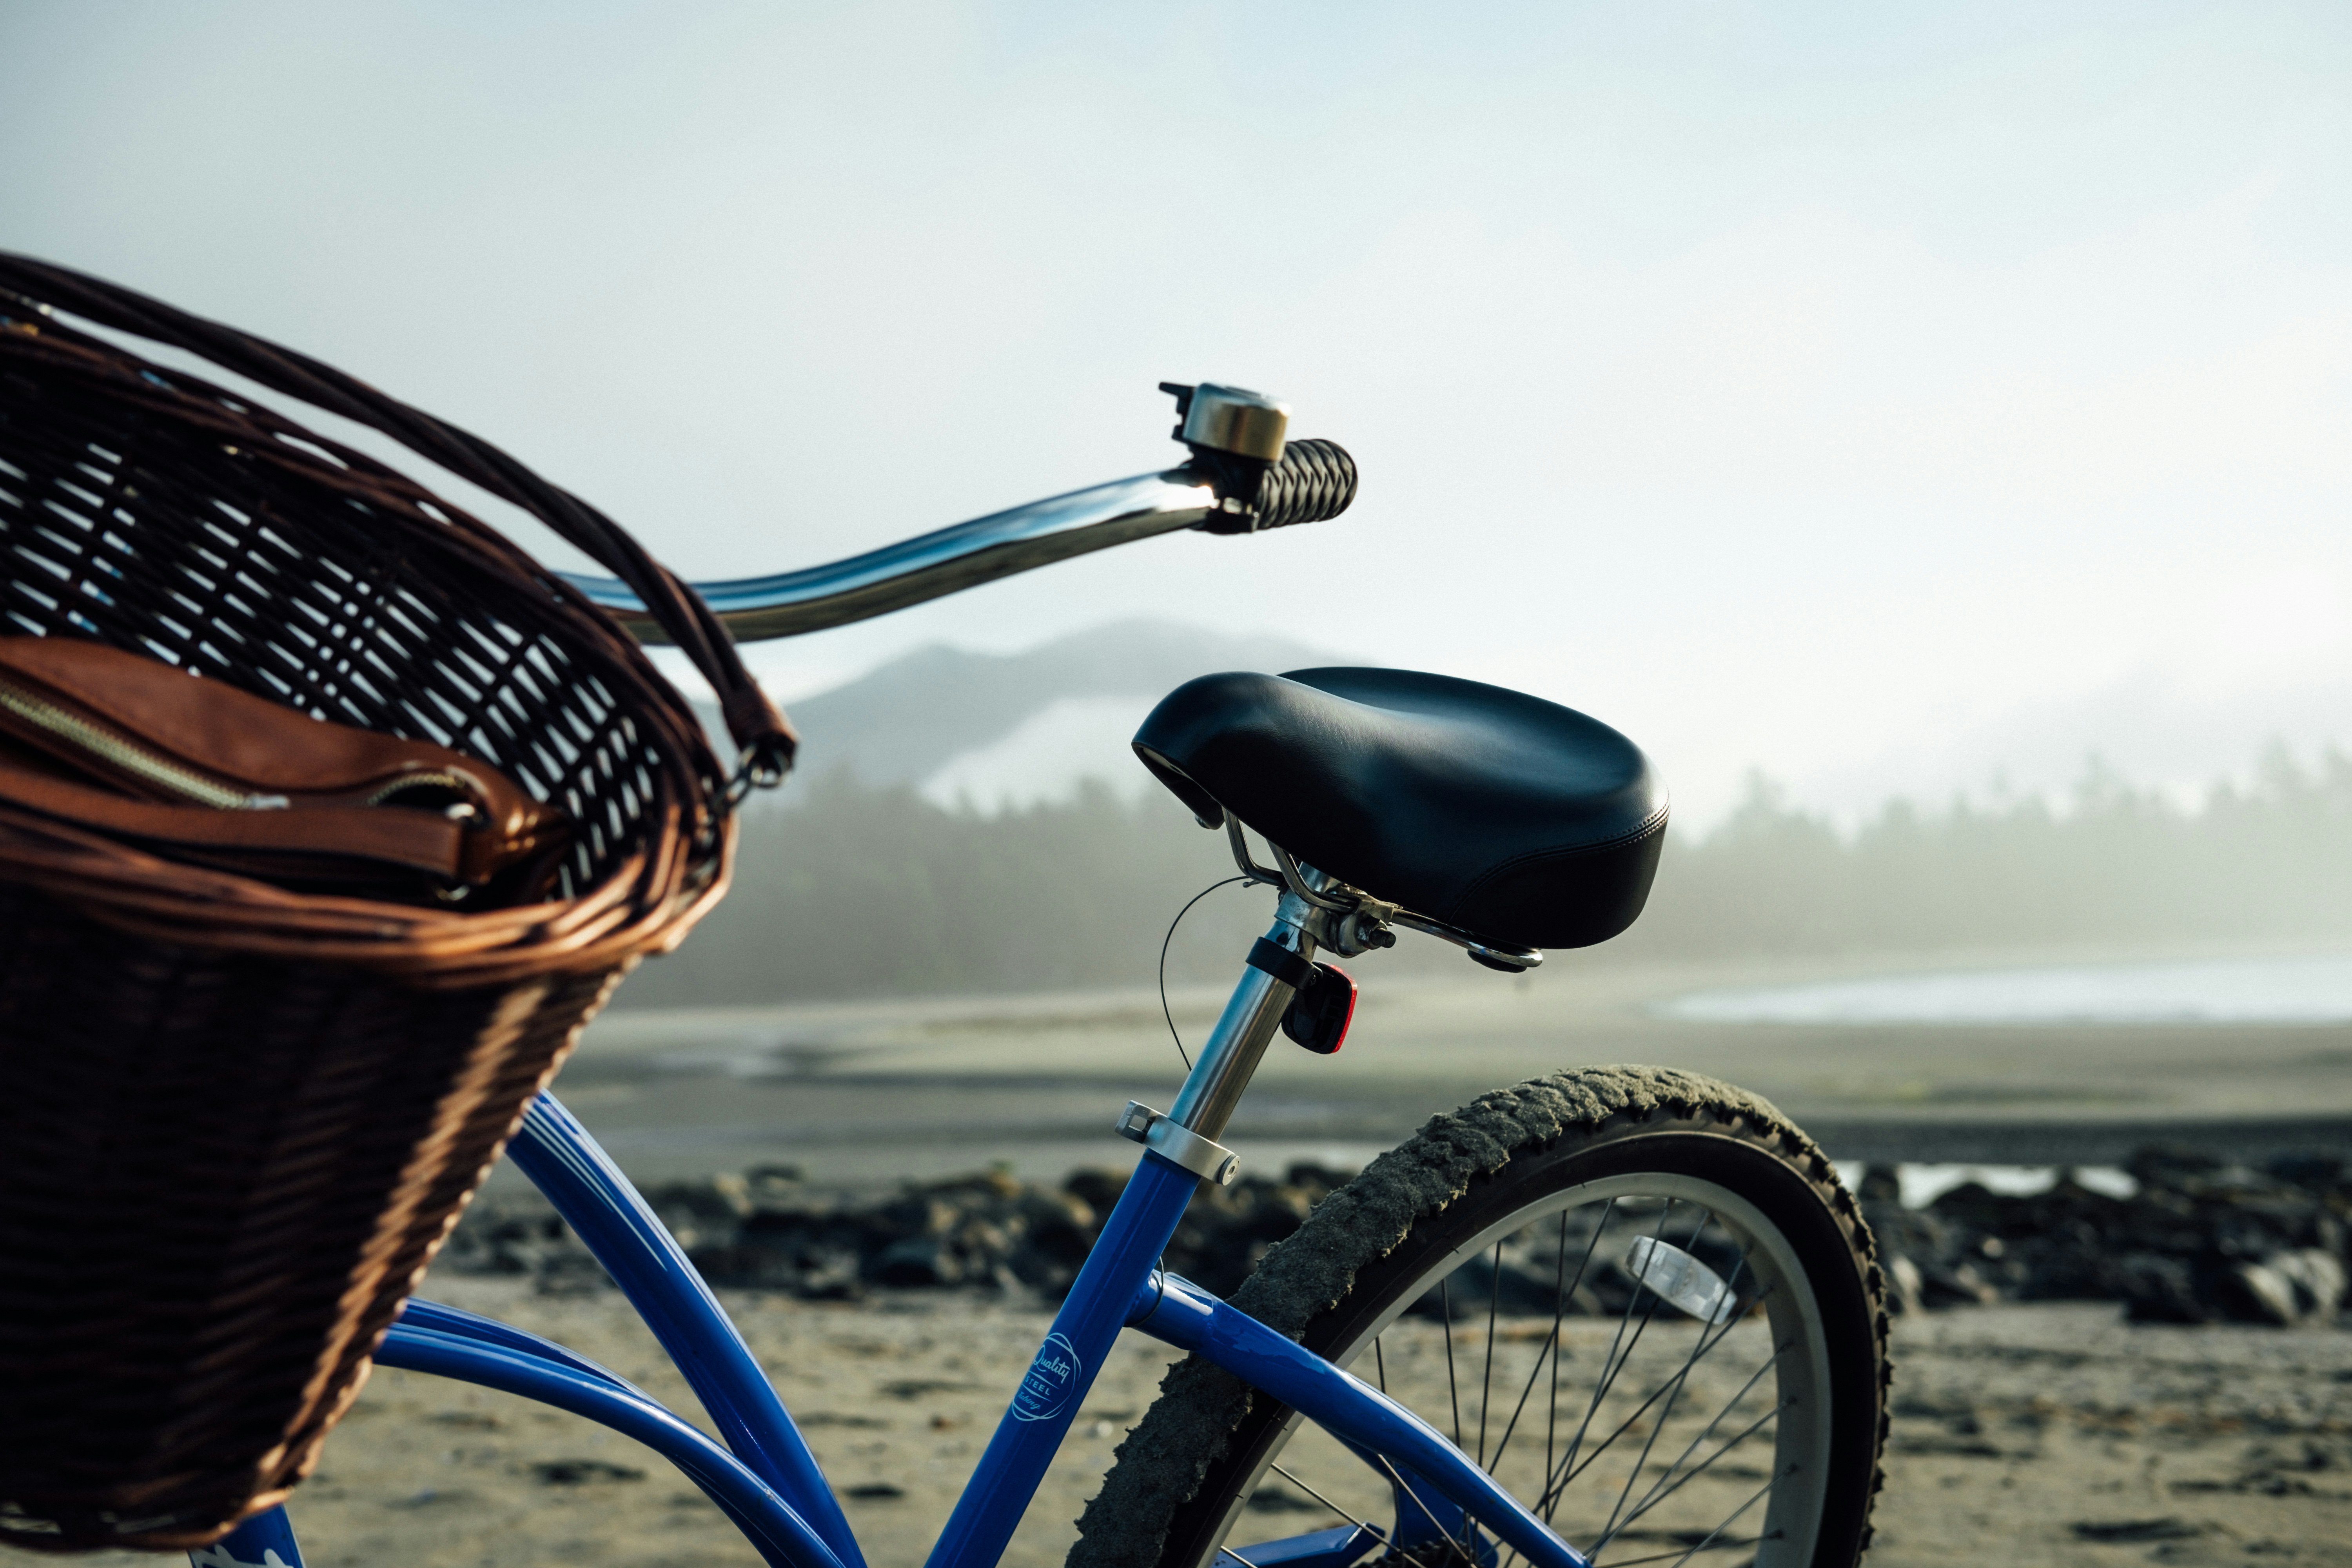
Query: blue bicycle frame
<point x="760" y="1472"/>
<point x="764" y="1475"/>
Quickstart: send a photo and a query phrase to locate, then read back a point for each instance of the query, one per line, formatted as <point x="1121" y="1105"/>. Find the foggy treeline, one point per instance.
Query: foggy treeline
<point x="2118" y="863"/>
<point x="860" y="891"/>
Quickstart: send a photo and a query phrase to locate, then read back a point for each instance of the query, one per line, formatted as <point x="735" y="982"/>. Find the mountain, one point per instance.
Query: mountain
<point x="1018" y="726"/>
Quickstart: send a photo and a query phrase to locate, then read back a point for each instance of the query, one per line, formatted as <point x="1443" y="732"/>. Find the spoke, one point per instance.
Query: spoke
<point x="1655" y="1395"/>
<point x="1719" y="1529"/>
<point x="1559" y="1299"/>
<point x="1445" y="1308"/>
<point x="1378" y="1533"/>
<point x="1560" y="1306"/>
<point x="1396" y="1476"/>
<point x="1486" y="1377"/>
<point x="1661" y="1556"/>
<point x="1327" y="1502"/>
<point x="1550" y="1344"/>
<point x="1562" y="1468"/>
<point x="1655" y="1495"/>
<point x="1650" y="1502"/>
<point x="1611" y="1365"/>
<point x="1560" y="1294"/>
<point x="1700" y="1344"/>
<point x="1562" y="1291"/>
<point x="1360" y="1525"/>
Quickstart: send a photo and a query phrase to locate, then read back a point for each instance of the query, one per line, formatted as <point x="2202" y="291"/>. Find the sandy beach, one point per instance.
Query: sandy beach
<point x="2046" y="1433"/>
<point x="2038" y="1433"/>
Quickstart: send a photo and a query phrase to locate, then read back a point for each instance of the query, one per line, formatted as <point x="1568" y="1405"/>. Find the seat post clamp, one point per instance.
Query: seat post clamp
<point x="1272" y="958"/>
<point x="1205" y="1158"/>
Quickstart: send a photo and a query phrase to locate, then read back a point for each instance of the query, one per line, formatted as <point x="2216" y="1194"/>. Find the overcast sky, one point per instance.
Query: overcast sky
<point x="1889" y="397"/>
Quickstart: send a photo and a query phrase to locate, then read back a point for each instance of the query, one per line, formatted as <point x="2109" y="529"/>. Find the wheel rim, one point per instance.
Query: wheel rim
<point x="1665" y="1437"/>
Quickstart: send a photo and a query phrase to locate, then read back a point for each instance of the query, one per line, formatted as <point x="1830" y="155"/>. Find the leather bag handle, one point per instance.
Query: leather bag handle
<point x="759" y="728"/>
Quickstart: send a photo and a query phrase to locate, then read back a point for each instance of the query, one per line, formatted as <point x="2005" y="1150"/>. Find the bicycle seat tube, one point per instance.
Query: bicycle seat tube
<point x="1252" y="1014"/>
<point x="1133" y="1238"/>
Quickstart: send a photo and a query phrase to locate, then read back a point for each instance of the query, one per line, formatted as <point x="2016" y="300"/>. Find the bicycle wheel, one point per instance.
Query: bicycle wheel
<point x="1640" y="1298"/>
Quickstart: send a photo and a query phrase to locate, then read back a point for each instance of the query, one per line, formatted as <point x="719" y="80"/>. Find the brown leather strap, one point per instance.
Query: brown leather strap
<point x="417" y="840"/>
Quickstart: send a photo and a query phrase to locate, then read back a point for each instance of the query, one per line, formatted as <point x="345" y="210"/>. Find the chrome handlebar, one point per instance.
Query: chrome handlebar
<point x="1245" y="425"/>
<point x="1237" y="476"/>
<point x="932" y="564"/>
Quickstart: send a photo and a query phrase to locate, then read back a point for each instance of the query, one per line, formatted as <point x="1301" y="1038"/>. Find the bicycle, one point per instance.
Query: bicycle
<point x="1681" y="1243"/>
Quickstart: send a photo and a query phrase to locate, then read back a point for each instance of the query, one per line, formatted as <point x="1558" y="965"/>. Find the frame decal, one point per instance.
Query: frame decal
<point x="1051" y="1380"/>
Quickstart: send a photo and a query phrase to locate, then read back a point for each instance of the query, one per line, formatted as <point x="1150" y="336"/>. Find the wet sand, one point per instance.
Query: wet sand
<point x="2030" y="1434"/>
<point x="877" y="1090"/>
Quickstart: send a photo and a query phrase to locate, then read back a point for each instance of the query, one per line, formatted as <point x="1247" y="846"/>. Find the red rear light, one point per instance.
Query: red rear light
<point x="1318" y="1016"/>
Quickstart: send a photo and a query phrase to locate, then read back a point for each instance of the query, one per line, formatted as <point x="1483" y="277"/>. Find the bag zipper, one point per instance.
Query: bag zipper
<point x="420" y="781"/>
<point x="119" y="753"/>
<point x="463" y="811"/>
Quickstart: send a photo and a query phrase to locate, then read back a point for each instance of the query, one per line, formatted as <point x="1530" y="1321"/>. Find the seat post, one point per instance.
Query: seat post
<point x="1254" y="1012"/>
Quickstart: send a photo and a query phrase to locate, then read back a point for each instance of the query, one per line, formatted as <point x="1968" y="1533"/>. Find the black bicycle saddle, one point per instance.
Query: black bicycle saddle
<point x="1514" y="819"/>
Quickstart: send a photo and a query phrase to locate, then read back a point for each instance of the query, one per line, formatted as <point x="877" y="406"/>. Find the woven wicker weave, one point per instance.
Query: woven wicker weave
<point x="235" y="1122"/>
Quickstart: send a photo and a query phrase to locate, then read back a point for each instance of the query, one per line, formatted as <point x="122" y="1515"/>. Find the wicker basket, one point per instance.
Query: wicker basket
<point x="236" y="1122"/>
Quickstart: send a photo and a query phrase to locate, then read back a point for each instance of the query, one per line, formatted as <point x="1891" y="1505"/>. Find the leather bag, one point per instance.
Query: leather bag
<point x="198" y="770"/>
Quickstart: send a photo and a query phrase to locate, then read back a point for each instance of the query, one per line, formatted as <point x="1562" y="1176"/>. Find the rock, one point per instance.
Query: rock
<point x="1056" y="1230"/>
<point x="574" y="1272"/>
<point x="582" y="1472"/>
<point x="1880" y="1185"/>
<point x="765" y="1179"/>
<point x="1095" y="1187"/>
<point x="916" y="1260"/>
<point x="2301" y="1285"/>
<point x="1908" y="1290"/>
<point x="726" y="1197"/>
<point x="2160" y="1289"/>
<point x="2047" y="1246"/>
<point x="2203" y="1241"/>
<point x="1960" y="1285"/>
<point x="1926" y="1258"/>
<point x="2123" y="1531"/>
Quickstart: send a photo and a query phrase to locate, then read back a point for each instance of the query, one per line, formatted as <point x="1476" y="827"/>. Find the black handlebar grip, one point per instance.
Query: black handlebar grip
<point x="1314" y="483"/>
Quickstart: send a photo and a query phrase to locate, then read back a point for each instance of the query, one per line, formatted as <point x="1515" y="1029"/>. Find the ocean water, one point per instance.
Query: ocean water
<point x="2307" y="990"/>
